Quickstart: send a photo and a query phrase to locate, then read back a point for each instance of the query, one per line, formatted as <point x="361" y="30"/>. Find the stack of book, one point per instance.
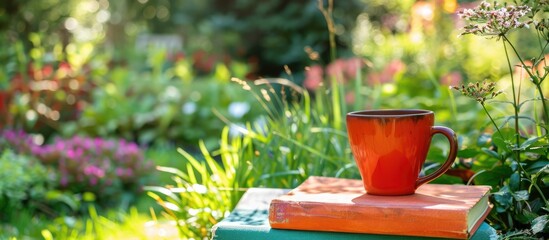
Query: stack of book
<point x="334" y="208"/>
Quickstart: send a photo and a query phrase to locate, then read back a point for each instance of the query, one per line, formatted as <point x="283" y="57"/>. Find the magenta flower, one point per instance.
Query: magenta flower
<point x="92" y="170"/>
<point x="104" y="167"/>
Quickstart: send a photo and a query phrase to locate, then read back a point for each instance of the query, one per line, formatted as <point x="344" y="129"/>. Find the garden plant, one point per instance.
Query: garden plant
<point x="512" y="156"/>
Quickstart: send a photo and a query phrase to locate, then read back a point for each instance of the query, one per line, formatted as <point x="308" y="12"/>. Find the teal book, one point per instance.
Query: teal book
<point x="250" y="220"/>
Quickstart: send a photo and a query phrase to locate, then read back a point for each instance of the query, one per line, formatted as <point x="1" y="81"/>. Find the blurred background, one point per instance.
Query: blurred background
<point x="125" y="83"/>
<point x="164" y="64"/>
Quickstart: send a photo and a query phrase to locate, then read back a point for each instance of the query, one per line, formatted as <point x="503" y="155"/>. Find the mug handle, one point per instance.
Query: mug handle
<point x="452" y="139"/>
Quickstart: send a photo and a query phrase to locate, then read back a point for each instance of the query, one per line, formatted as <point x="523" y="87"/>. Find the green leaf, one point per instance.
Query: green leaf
<point x="540" y="224"/>
<point x="537" y="166"/>
<point x="46" y="234"/>
<point x="484" y="140"/>
<point x="514" y="181"/>
<point x="164" y="191"/>
<point x="503" y="139"/>
<point x="521" y="195"/>
<point x="494" y="176"/>
<point x="88" y="197"/>
<point x="55" y="195"/>
<point x="530" y="141"/>
<point x="526" y="216"/>
<point x="535" y="176"/>
<point x="545" y="181"/>
<point x="491" y="153"/>
<point x="503" y="200"/>
<point x="468" y="153"/>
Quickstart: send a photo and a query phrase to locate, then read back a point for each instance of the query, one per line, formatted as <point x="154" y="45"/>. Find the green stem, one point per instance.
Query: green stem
<point x="540" y="91"/>
<point x="491" y="119"/>
<point x="537" y="81"/>
<point x="357" y="91"/>
<point x="515" y="104"/>
<point x="336" y="103"/>
<point x="453" y="106"/>
<point x="541" y="194"/>
<point x="331" y="27"/>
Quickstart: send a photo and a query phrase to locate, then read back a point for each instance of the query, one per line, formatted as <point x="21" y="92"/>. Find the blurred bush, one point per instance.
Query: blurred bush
<point x="107" y="172"/>
<point x="153" y="96"/>
<point x="268" y="35"/>
<point x="24" y="182"/>
<point x="164" y="100"/>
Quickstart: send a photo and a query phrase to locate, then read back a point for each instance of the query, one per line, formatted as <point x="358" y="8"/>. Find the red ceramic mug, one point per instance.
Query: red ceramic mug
<point x="390" y="148"/>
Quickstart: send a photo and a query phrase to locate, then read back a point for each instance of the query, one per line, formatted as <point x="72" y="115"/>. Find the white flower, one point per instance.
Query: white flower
<point x="189" y="108"/>
<point x="238" y="109"/>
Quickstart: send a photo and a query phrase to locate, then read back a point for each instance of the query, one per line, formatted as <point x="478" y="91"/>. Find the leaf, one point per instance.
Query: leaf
<point x="537" y="166"/>
<point x="521" y="195"/>
<point x="530" y="141"/>
<point x="484" y="140"/>
<point x="514" y="181"/>
<point x="55" y="195"/>
<point x="493" y="176"/>
<point x="46" y="234"/>
<point x="526" y="216"/>
<point x="503" y="199"/>
<point x="468" y="153"/>
<point x="502" y="139"/>
<point x="535" y="176"/>
<point x="308" y="148"/>
<point x="491" y="153"/>
<point x="164" y="191"/>
<point x="540" y="224"/>
<point x="545" y="181"/>
<point x="173" y="171"/>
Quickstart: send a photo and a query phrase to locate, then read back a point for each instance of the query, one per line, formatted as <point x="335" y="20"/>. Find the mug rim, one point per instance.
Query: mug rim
<point x="389" y="113"/>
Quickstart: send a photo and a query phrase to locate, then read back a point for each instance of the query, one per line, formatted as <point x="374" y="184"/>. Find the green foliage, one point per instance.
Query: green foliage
<point x="303" y="136"/>
<point x="513" y="157"/>
<point x="24" y="182"/>
<point x="94" y="225"/>
<point x="107" y="225"/>
<point x="163" y="102"/>
<point x="204" y="191"/>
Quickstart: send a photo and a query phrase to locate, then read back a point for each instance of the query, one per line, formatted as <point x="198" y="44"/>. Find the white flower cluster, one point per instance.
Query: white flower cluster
<point x="494" y="20"/>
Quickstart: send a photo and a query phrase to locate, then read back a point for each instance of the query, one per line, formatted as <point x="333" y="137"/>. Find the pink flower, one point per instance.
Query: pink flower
<point x="387" y="75"/>
<point x="119" y="172"/>
<point x="451" y="79"/>
<point x="93" y="181"/>
<point x="374" y="78"/>
<point x="337" y="69"/>
<point x="394" y="67"/>
<point x="92" y="170"/>
<point x="352" y="66"/>
<point x="313" y="77"/>
<point x="350" y="97"/>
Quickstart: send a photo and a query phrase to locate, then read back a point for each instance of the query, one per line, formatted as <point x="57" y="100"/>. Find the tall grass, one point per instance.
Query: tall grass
<point x="298" y="137"/>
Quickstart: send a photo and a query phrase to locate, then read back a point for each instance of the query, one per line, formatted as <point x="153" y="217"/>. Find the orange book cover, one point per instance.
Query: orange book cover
<point x="342" y="205"/>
